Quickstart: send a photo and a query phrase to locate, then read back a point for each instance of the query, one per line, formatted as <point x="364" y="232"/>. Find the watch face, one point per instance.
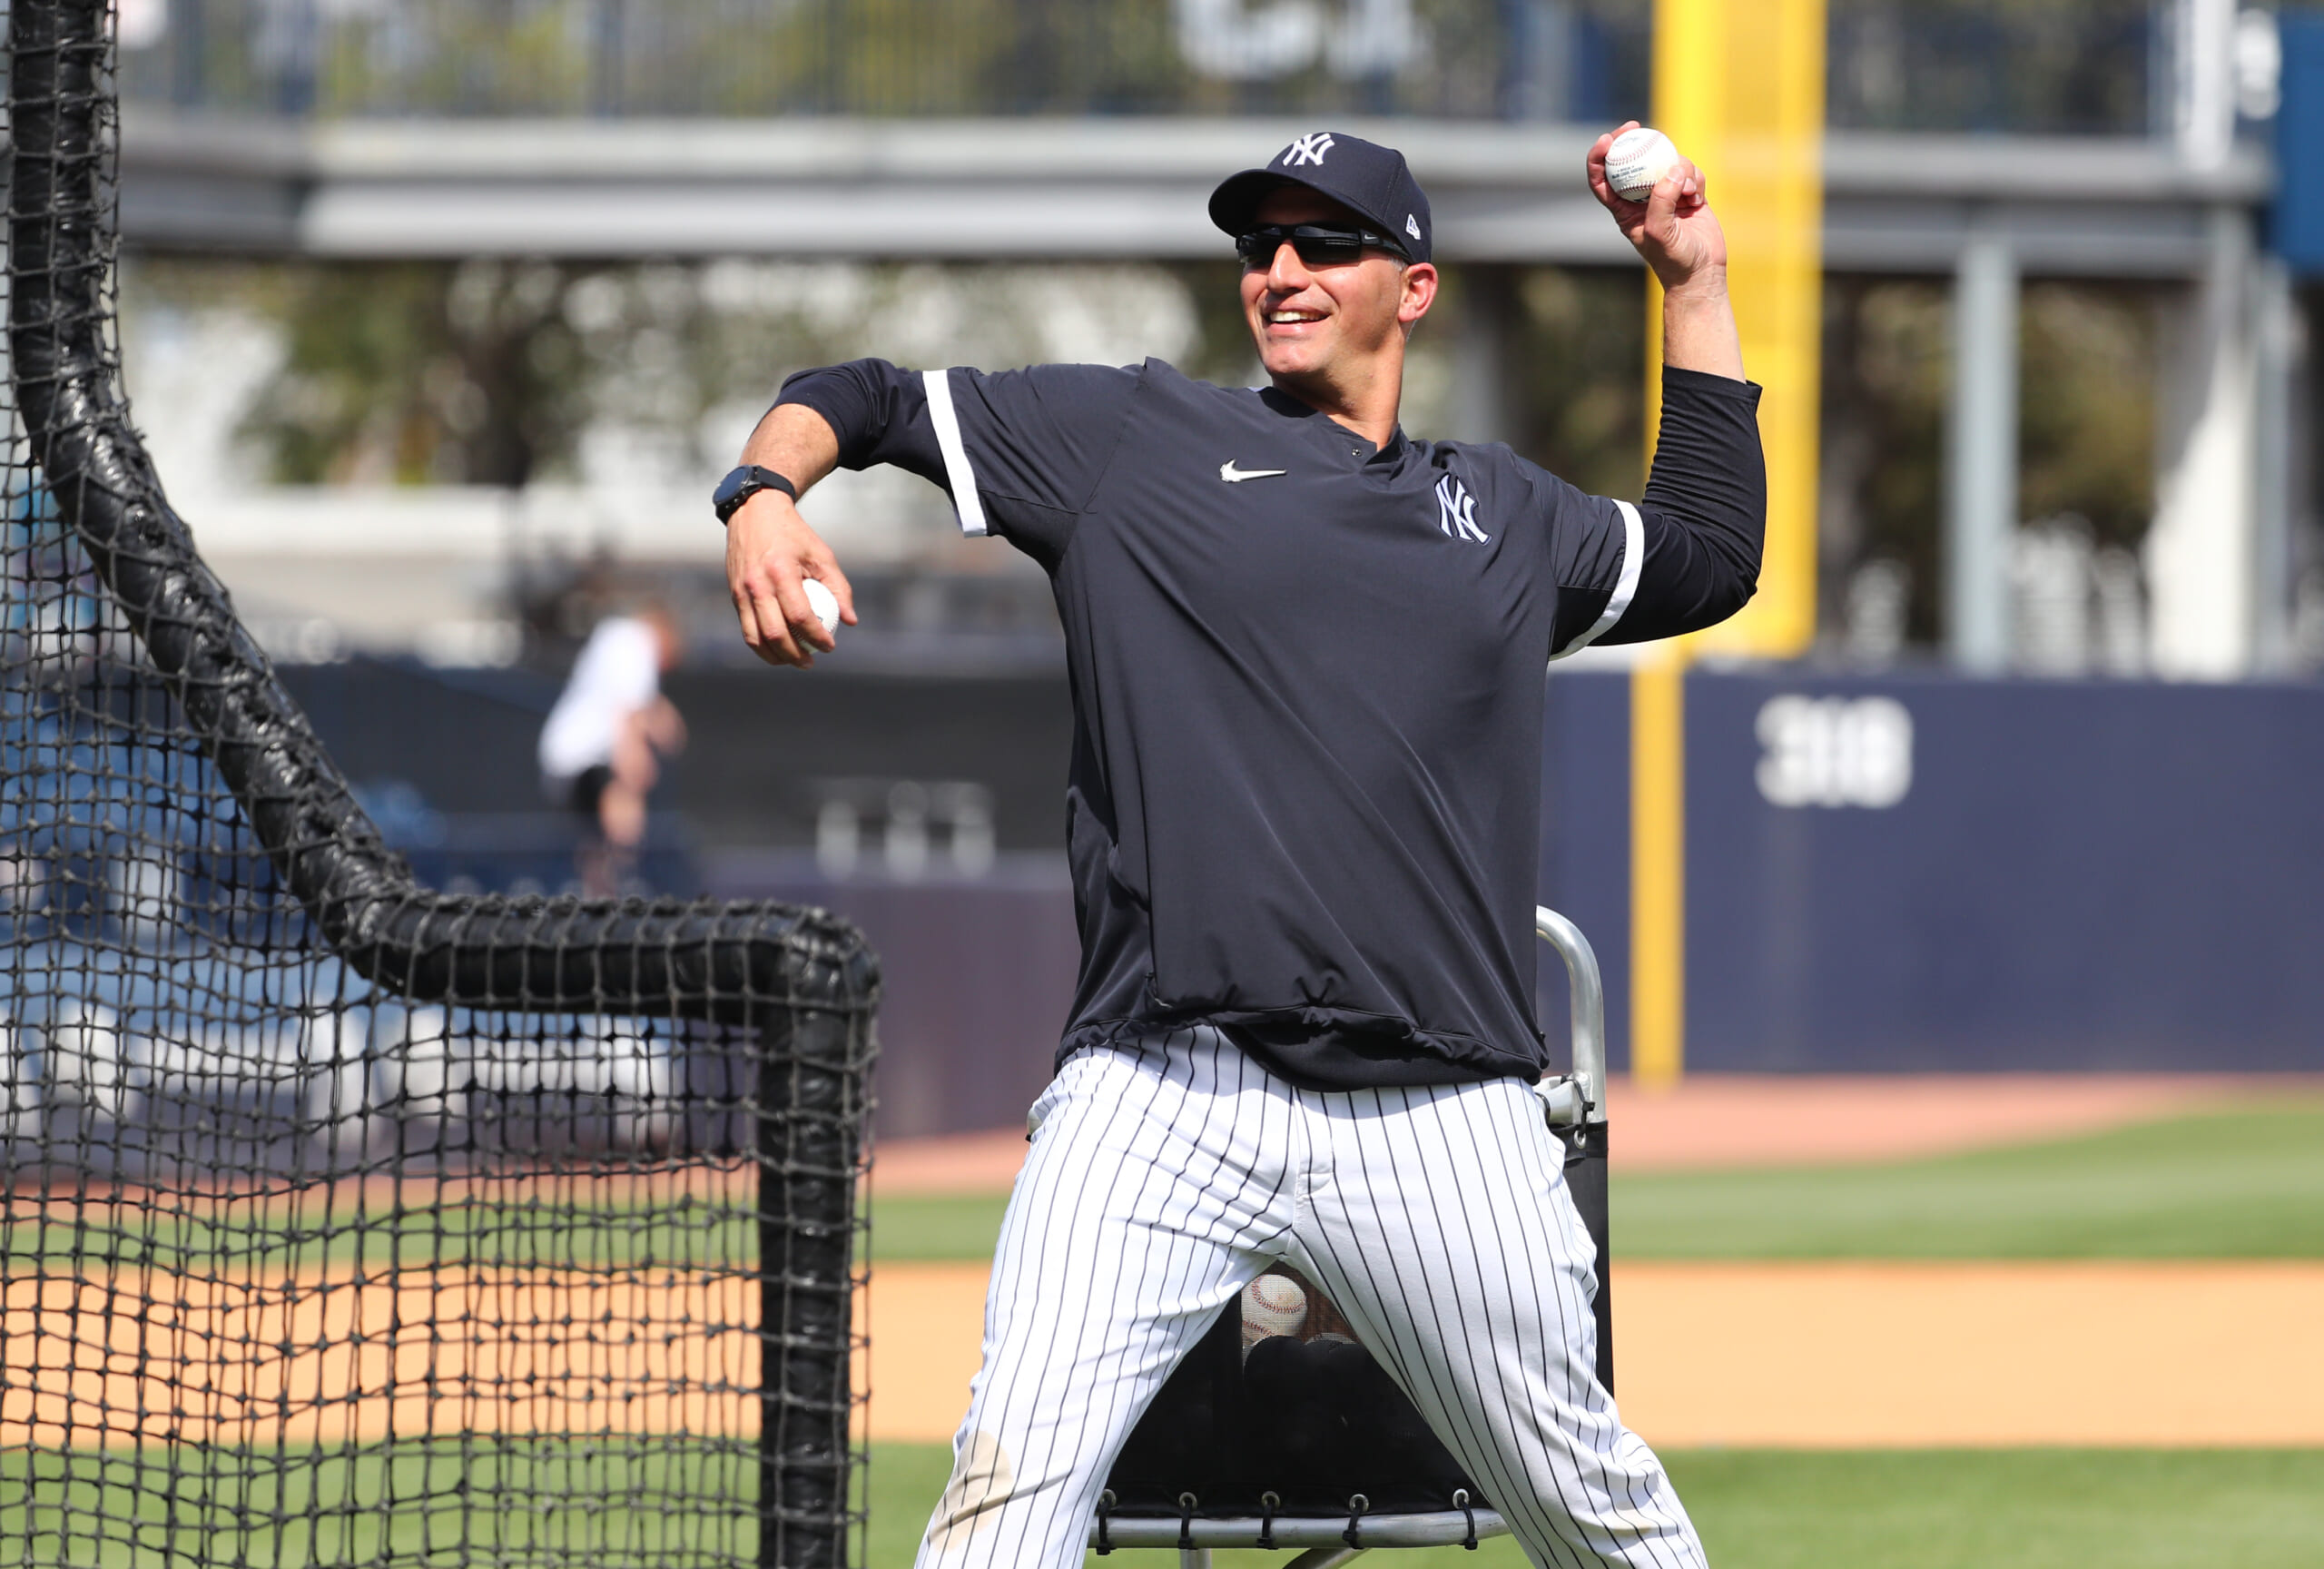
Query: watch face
<point x="730" y="487"/>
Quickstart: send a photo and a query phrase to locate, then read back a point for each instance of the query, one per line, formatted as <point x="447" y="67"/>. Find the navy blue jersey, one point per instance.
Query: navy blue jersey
<point x="1304" y="797"/>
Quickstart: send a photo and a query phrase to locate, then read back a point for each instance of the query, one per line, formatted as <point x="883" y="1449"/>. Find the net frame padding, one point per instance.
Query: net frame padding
<point x="346" y="1219"/>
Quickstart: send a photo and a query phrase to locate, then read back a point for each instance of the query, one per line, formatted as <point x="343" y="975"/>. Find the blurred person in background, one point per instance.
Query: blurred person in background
<point x="599" y="750"/>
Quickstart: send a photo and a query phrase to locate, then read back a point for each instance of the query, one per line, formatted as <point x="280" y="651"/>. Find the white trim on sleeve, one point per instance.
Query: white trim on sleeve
<point x="1625" y="586"/>
<point x="957" y="472"/>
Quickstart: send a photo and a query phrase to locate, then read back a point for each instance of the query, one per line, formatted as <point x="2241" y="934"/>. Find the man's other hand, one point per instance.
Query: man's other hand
<point x="770" y="551"/>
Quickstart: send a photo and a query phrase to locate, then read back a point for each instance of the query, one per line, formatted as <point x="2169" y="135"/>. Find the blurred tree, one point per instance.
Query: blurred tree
<point x="1579" y="366"/>
<point x="2087" y="372"/>
<point x="2088" y="398"/>
<point x="645" y="374"/>
<point x="1223" y="350"/>
<point x="421" y="373"/>
<point x="1887" y="364"/>
<point x="493" y="372"/>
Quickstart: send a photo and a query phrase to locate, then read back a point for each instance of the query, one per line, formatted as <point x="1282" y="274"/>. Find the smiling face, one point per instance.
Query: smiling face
<point x="1326" y="332"/>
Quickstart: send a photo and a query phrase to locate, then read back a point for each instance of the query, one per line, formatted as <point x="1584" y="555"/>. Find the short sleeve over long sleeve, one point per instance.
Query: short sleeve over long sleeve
<point x="1019" y="451"/>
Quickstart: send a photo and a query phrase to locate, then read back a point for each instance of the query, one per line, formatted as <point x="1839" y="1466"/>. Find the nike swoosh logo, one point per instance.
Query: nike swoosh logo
<point x="1234" y="476"/>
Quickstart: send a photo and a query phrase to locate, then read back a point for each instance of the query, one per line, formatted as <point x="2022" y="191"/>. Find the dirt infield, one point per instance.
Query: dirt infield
<point x="1842" y="1355"/>
<point x="1890" y="1355"/>
<point x="927" y="1324"/>
<point x="1732" y="1120"/>
<point x="1836" y="1355"/>
<point x="323" y="1348"/>
<point x="342" y="1356"/>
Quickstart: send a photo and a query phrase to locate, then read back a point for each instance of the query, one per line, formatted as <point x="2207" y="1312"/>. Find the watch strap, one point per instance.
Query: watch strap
<point x="740" y="484"/>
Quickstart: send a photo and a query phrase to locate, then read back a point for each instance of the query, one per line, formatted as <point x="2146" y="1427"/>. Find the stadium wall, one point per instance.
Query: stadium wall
<point x="1925" y="873"/>
<point x="2056" y="875"/>
<point x="970" y="1013"/>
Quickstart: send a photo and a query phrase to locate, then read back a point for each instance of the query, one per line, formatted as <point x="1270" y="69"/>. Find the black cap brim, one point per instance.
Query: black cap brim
<point x="1235" y="205"/>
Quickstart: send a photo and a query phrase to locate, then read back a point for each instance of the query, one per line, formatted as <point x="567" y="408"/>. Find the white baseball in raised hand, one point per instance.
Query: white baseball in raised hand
<point x="1639" y="158"/>
<point x="1272" y="1305"/>
<point x="821" y="600"/>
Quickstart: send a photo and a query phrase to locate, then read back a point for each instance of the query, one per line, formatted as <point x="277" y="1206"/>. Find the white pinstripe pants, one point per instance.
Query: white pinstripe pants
<point x="1163" y="1178"/>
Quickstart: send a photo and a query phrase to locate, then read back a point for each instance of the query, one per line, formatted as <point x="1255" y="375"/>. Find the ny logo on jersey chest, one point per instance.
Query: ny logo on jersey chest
<point x="1456" y="511"/>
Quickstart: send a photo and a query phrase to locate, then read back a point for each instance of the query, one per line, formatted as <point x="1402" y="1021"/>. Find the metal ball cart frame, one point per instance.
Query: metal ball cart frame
<point x="1575" y="1104"/>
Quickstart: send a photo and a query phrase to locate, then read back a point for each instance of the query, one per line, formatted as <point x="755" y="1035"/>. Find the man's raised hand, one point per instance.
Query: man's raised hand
<point x="1677" y="237"/>
<point x="1673" y="229"/>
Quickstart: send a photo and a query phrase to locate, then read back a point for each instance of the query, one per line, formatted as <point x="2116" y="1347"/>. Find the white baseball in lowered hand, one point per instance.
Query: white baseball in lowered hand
<point x="821" y="600"/>
<point x="1639" y="158"/>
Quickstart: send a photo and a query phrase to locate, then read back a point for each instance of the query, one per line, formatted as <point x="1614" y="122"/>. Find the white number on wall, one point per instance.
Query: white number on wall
<point x="1835" y="750"/>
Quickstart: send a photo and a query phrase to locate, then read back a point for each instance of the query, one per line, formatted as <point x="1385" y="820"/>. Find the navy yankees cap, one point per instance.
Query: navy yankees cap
<point x="1369" y="180"/>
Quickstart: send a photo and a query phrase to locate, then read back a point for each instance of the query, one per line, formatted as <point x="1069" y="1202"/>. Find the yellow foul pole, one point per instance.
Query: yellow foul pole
<point x="1739" y="85"/>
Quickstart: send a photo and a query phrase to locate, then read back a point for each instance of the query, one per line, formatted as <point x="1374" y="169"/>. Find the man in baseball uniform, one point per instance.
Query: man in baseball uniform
<point x="1306" y="654"/>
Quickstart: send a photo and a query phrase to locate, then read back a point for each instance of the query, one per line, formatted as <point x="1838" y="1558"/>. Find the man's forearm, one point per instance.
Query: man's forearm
<point x="794" y="442"/>
<point x="1698" y="331"/>
<point x="770" y="549"/>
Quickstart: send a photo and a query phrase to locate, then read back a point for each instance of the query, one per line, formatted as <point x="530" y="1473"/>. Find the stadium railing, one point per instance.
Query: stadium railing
<point x="2071" y="67"/>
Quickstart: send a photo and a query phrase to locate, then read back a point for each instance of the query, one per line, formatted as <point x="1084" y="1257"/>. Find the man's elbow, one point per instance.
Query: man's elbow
<point x="1725" y="599"/>
<point x="1734" y="579"/>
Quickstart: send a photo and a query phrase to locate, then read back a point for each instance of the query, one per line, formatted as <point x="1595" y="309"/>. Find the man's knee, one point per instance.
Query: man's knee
<point x="983" y="1479"/>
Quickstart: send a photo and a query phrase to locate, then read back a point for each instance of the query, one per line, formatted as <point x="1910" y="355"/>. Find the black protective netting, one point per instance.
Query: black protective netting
<point x="346" y="1221"/>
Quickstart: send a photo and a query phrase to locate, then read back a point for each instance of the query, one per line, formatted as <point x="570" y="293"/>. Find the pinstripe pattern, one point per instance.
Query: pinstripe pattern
<point x="1166" y="1174"/>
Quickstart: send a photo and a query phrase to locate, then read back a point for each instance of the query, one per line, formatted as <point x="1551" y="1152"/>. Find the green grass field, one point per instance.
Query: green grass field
<point x="620" y="1501"/>
<point x="207" y="1238"/>
<point x="638" y="1504"/>
<point x="935" y="1227"/>
<point x="2240" y="1183"/>
<point x="2246" y="1182"/>
<point x="1943" y="1509"/>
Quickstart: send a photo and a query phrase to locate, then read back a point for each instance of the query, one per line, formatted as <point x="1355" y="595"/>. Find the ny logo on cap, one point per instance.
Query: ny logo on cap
<point x="1308" y="149"/>
<point x="1456" y="511"/>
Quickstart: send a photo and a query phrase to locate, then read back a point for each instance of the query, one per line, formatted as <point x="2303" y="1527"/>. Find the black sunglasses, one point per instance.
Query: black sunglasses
<point x="1318" y="244"/>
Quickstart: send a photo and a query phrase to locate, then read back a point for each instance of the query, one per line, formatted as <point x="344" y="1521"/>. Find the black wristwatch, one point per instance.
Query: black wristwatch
<point x="740" y="484"/>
